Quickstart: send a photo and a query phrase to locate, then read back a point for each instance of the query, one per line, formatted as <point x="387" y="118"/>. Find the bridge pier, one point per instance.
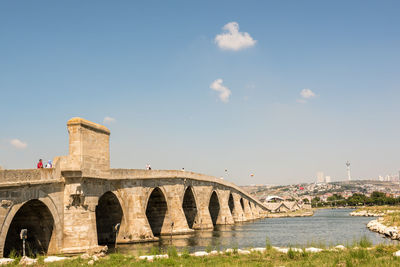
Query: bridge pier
<point x="225" y="215"/>
<point x="80" y="232"/>
<point x="174" y="196"/>
<point x="204" y="220"/>
<point x="254" y="211"/>
<point x="135" y="226"/>
<point x="79" y="229"/>
<point x="247" y="210"/>
<point x="238" y="213"/>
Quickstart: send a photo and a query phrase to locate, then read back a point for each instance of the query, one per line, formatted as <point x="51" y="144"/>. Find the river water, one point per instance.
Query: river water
<point x="327" y="227"/>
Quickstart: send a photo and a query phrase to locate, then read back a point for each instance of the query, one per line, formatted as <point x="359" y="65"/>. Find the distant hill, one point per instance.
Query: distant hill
<point x="298" y="191"/>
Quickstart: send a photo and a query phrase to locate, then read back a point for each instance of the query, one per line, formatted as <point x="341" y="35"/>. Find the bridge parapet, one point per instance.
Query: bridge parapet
<point x="28" y="176"/>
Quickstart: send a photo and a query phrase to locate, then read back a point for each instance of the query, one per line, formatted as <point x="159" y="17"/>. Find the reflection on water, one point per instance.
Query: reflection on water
<point x="329" y="227"/>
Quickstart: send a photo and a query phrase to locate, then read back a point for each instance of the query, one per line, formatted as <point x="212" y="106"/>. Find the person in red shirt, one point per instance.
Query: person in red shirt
<point x="40" y="164"/>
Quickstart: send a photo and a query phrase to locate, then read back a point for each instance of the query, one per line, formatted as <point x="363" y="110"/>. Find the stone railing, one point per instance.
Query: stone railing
<point x="28" y="176"/>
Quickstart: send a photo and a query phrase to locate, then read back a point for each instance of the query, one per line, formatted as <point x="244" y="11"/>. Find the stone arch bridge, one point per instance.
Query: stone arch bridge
<point x="74" y="206"/>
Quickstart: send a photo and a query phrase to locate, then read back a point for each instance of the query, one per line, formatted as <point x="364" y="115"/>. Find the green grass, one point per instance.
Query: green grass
<point x="359" y="253"/>
<point x="381" y="255"/>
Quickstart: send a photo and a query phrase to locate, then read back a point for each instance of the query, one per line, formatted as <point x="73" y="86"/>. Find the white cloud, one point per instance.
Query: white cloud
<point x="307" y="93"/>
<point x="232" y="39"/>
<point x="108" y="120"/>
<point x="18" y="143"/>
<point x="224" y="92"/>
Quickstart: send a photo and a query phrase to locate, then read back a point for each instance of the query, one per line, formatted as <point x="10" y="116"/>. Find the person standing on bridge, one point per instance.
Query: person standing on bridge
<point x="49" y="164"/>
<point x="40" y="164"/>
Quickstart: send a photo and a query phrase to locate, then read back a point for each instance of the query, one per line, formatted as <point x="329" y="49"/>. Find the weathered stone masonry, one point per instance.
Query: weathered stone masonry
<point x="75" y="206"/>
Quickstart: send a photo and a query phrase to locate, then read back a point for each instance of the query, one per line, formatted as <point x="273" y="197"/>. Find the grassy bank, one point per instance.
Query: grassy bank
<point x="361" y="255"/>
<point x="391" y="214"/>
<point x="379" y="209"/>
<point x="391" y="219"/>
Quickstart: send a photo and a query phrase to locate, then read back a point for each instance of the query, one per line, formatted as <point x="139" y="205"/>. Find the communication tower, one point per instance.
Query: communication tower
<point x="348" y="170"/>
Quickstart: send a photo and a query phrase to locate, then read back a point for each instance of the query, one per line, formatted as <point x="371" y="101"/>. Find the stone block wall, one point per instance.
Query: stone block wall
<point x="89" y="148"/>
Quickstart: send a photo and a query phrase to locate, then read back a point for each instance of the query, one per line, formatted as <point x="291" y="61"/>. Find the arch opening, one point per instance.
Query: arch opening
<point x="242" y="204"/>
<point x="231" y="203"/>
<point x="189" y="207"/>
<point x="156" y="210"/>
<point x="108" y="215"/>
<point x="36" y="217"/>
<point x="214" y="207"/>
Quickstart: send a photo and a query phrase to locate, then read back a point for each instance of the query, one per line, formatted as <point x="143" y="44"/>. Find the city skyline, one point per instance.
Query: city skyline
<point x="277" y="90"/>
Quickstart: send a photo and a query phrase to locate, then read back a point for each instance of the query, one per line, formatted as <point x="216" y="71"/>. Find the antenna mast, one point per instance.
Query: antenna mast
<point x="348" y="170"/>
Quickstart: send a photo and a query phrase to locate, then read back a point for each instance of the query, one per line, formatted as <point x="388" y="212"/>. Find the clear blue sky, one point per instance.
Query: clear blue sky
<point x="150" y="66"/>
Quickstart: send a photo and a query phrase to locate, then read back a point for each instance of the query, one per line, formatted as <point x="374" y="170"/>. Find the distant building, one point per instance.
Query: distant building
<point x="327" y="179"/>
<point x="320" y="177"/>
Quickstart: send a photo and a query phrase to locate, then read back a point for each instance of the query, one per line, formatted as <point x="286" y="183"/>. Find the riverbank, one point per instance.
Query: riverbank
<point x="388" y="223"/>
<point x="297" y="213"/>
<point x="375" y="211"/>
<point x="359" y="255"/>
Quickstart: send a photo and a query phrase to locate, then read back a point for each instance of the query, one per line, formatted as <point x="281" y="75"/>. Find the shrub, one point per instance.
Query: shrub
<point x="365" y="242"/>
<point x="155" y="251"/>
<point x="209" y="248"/>
<point x="172" y="253"/>
<point x="291" y="253"/>
<point x="185" y="253"/>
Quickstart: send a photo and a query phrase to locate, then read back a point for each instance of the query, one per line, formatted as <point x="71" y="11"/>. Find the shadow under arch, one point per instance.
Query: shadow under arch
<point x="214" y="207"/>
<point x="242" y="204"/>
<point x="231" y="203"/>
<point x="156" y="210"/>
<point x="36" y="217"/>
<point x="108" y="214"/>
<point x="189" y="206"/>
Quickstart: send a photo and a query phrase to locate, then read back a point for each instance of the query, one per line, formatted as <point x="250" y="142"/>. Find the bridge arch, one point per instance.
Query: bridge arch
<point x="214" y="207"/>
<point x="231" y="204"/>
<point x="156" y="210"/>
<point x="242" y="204"/>
<point x="108" y="214"/>
<point x="41" y="219"/>
<point x="189" y="206"/>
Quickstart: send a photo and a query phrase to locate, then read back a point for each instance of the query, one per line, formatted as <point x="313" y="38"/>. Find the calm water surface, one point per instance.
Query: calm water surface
<point x="329" y="227"/>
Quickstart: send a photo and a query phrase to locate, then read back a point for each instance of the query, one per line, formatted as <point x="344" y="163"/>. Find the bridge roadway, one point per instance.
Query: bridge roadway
<point x="74" y="206"/>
